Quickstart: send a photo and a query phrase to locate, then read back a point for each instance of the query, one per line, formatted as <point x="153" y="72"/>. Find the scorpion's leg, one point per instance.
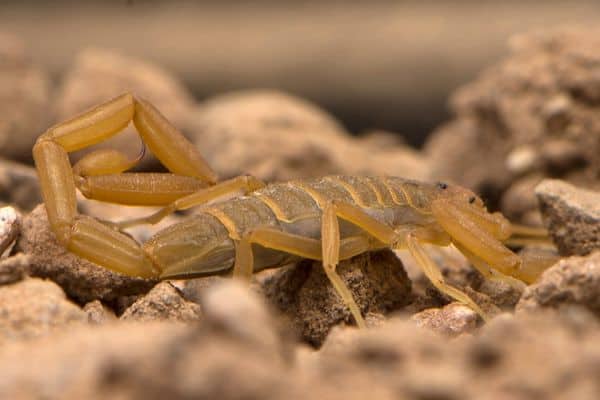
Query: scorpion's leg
<point x="330" y="237"/>
<point x="435" y="276"/>
<point x="388" y="236"/>
<point x="307" y="248"/>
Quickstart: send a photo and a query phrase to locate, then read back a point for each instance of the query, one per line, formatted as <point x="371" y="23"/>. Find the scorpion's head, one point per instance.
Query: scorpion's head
<point x="464" y="217"/>
<point x="455" y="205"/>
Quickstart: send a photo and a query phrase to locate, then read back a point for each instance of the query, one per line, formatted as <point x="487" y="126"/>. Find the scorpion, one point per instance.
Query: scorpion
<point x="266" y="226"/>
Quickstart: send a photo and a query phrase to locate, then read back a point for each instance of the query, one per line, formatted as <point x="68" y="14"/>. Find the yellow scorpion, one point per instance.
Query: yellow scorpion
<point x="328" y="219"/>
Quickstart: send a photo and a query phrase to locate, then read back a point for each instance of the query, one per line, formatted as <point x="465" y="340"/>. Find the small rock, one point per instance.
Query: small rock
<point x="19" y="185"/>
<point x="24" y="100"/>
<point x="504" y="295"/>
<point x="231" y="306"/>
<point x="452" y="320"/>
<point x="10" y="226"/>
<point x="33" y="308"/>
<point x="98" y="313"/>
<point x="194" y="289"/>
<point x="163" y="302"/>
<point x="80" y="279"/>
<point x="15" y="268"/>
<point x="305" y="296"/>
<point x="574" y="280"/>
<point x="572" y="215"/>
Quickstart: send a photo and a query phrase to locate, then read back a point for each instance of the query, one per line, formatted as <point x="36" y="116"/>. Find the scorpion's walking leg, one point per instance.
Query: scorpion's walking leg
<point x="306" y="248"/>
<point x="388" y="236"/>
<point x="435" y="276"/>
<point x="330" y="237"/>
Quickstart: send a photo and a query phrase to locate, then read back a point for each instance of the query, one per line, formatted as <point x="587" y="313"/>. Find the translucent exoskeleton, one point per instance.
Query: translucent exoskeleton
<point x="329" y="219"/>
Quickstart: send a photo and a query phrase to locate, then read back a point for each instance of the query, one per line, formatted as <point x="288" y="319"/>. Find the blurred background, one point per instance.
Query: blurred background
<point x="374" y="65"/>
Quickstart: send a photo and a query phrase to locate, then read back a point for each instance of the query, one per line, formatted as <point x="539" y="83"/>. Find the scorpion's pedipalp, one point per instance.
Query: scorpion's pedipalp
<point x="474" y="235"/>
<point x="435" y="276"/>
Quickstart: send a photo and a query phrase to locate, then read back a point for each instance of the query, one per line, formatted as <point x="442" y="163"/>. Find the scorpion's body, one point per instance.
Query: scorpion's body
<point x="326" y="219"/>
<point x="205" y="241"/>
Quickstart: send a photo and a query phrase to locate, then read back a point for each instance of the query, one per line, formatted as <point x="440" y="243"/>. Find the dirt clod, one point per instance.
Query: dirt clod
<point x="572" y="281"/>
<point x="163" y="302"/>
<point x="15" y="268"/>
<point x="572" y="215"/>
<point x="33" y="308"/>
<point x="304" y="294"/>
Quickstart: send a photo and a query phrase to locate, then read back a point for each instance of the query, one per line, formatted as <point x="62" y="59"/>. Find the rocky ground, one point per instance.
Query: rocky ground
<point x="526" y="135"/>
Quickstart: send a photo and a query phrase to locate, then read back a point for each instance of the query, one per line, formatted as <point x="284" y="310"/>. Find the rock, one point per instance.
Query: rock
<point x="533" y="115"/>
<point x="275" y="136"/>
<point x="34" y="308"/>
<point x="163" y="302"/>
<point x="573" y="280"/>
<point x="230" y="306"/>
<point x="19" y="185"/>
<point x="10" y="226"/>
<point x="149" y="360"/>
<point x="452" y="320"/>
<point x="511" y="358"/>
<point x="80" y="279"/>
<point x="99" y="75"/>
<point x="24" y="100"/>
<point x="305" y="296"/>
<point x="98" y="313"/>
<point x="15" y="268"/>
<point x="572" y="215"/>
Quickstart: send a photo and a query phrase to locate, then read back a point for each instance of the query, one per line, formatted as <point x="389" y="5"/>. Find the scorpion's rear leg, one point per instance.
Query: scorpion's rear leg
<point x="307" y="248"/>
<point x="387" y="236"/>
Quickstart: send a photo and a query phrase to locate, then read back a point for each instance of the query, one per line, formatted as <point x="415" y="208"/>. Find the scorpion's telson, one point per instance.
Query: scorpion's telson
<point x="329" y="219"/>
